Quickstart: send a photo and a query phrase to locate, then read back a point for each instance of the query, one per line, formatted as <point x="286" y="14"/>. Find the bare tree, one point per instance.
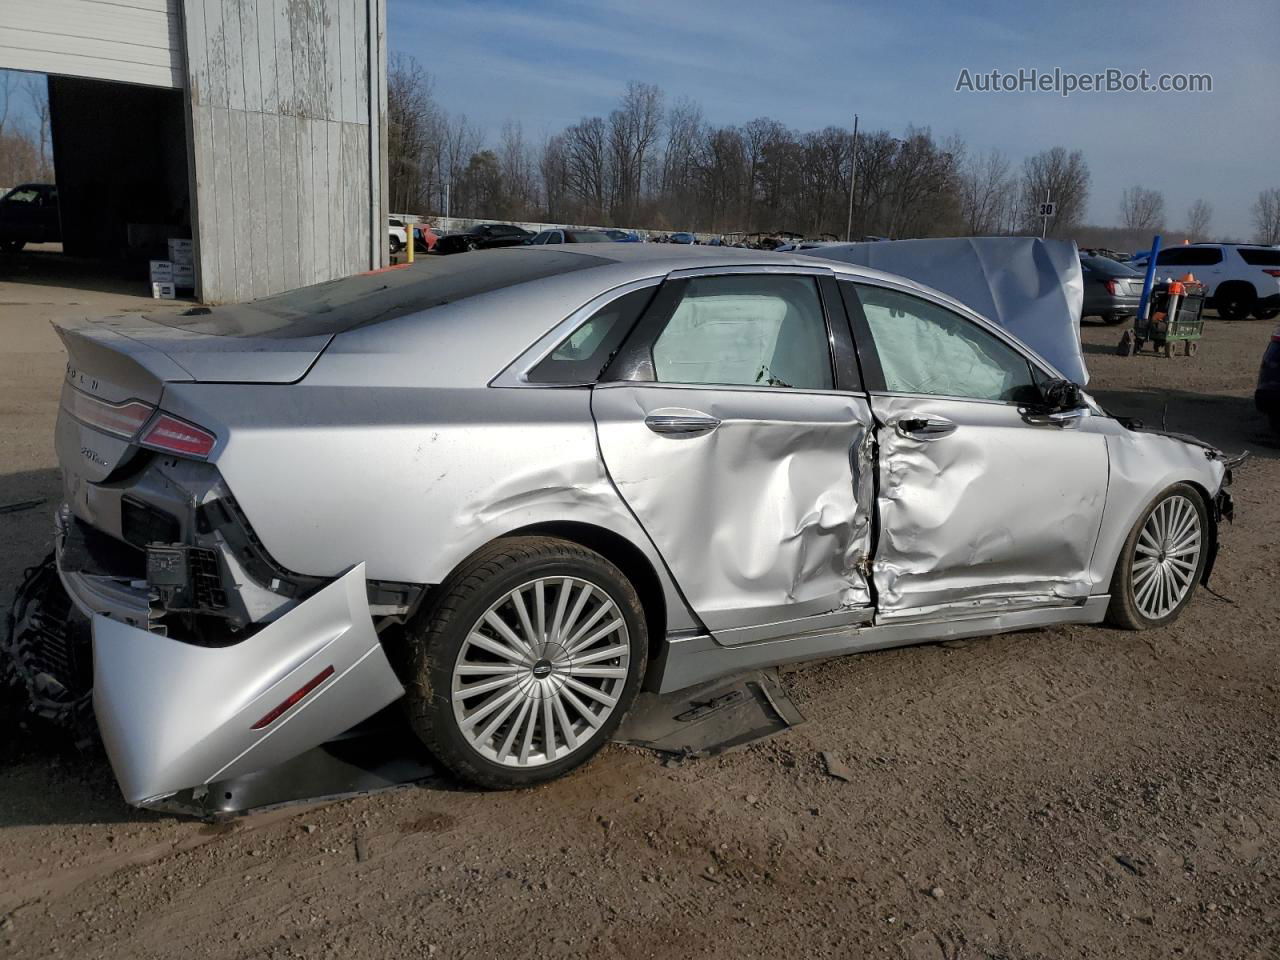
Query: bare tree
<point x="633" y="132"/>
<point x="1266" y="216"/>
<point x="587" y="163"/>
<point x="413" y="135"/>
<point x="516" y="168"/>
<point x="986" y="193"/>
<point x="1063" y="178"/>
<point x="553" y="167"/>
<point x="1142" y="209"/>
<point x="459" y="142"/>
<point x="1198" y="218"/>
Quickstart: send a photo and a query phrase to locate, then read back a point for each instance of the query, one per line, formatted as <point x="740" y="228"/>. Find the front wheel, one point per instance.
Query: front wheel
<point x="1161" y="561"/>
<point x="526" y="661"/>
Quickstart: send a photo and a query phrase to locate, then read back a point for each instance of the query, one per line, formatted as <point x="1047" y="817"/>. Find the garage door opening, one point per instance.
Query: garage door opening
<point x="109" y="185"/>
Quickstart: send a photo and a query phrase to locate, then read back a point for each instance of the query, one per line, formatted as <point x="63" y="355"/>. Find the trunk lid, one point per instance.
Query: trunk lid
<point x="117" y="369"/>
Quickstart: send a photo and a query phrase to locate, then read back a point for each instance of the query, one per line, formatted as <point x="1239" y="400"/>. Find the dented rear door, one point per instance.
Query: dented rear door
<point x="735" y="430"/>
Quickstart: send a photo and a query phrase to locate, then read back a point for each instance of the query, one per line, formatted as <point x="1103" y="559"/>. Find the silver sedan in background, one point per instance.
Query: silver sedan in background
<point x="516" y="487"/>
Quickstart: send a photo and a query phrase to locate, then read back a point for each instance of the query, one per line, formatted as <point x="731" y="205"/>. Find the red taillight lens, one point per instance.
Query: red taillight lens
<point x="293" y="699"/>
<point x="119" y="419"/>
<point x="1272" y="273"/>
<point x="172" y="435"/>
<point x="1111" y="287"/>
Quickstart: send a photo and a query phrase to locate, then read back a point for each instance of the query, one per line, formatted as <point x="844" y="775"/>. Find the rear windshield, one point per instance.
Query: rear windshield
<point x="1260" y="256"/>
<point x="1107" y="267"/>
<point x="341" y="305"/>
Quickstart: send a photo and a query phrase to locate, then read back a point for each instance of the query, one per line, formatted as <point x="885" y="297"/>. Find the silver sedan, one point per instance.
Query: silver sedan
<point x="515" y="488"/>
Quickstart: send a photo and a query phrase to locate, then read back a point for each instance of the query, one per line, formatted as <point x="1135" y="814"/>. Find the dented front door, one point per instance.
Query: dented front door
<point x="735" y="441"/>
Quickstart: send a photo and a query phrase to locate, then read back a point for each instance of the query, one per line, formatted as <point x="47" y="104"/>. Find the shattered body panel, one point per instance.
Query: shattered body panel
<point x="998" y="514"/>
<point x="764" y="519"/>
<point x="175" y="715"/>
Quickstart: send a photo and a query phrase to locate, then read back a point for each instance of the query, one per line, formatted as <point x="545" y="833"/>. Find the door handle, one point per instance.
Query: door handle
<point x="681" y="424"/>
<point x="925" y="428"/>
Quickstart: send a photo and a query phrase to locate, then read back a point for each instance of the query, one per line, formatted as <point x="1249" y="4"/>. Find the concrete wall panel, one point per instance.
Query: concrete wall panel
<point x="288" y="106"/>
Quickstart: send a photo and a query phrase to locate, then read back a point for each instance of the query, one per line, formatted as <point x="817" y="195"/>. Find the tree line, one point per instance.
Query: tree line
<point x="661" y="164"/>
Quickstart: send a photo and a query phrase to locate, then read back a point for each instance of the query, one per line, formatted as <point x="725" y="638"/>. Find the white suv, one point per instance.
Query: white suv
<point x="1240" y="279"/>
<point x="398" y="234"/>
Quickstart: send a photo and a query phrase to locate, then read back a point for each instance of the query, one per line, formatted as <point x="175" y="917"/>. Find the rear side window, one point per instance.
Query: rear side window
<point x="582" y="356"/>
<point x="1190" y="257"/>
<point x="761" y="331"/>
<point x="1106" y="267"/>
<point x="1257" y="257"/>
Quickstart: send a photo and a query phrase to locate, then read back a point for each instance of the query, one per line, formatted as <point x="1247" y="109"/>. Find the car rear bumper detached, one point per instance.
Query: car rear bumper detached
<point x="176" y="715"/>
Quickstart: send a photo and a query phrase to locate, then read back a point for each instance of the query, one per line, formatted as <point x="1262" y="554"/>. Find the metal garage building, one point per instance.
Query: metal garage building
<point x="257" y="125"/>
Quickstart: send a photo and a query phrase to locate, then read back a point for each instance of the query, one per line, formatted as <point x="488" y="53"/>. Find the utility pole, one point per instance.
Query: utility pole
<point x="853" y="181"/>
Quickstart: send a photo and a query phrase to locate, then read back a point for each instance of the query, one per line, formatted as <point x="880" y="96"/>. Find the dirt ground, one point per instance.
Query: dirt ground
<point x="1072" y="792"/>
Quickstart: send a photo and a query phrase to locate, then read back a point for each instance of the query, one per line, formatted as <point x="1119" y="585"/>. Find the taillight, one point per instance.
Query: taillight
<point x="172" y="435"/>
<point x="1111" y="287"/>
<point x="119" y="419"/>
<point x="1272" y="273"/>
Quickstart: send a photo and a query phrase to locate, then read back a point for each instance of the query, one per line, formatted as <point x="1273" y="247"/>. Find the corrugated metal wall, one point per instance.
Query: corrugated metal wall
<point x="288" y="107"/>
<point x="137" y="41"/>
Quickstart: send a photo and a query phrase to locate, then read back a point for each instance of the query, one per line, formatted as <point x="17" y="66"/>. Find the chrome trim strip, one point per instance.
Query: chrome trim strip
<point x="799" y="627"/>
<point x="688" y="661"/>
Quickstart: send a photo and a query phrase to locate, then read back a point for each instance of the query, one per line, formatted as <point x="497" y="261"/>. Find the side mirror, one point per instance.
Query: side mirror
<point x="1059" y="395"/>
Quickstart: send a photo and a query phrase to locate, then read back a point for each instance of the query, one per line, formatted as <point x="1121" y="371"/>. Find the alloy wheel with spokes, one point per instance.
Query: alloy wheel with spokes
<point x="525" y="661"/>
<point x="540" y="671"/>
<point x="1162" y="560"/>
<point x="1166" y="557"/>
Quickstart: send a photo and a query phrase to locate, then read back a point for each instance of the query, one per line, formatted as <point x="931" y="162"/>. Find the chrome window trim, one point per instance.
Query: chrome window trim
<point x="731" y="387"/>
<point x="516" y="373"/>
<point x="801" y="269"/>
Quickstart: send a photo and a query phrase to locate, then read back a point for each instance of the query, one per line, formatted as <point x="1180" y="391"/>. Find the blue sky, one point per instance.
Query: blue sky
<point x="810" y="63"/>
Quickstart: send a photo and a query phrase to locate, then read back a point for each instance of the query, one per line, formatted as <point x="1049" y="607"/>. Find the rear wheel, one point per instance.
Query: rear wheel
<point x="1268" y="314"/>
<point x="1235" y="301"/>
<point x="396" y="245"/>
<point x="1114" y="319"/>
<point x="1161" y="561"/>
<point x="526" y="662"/>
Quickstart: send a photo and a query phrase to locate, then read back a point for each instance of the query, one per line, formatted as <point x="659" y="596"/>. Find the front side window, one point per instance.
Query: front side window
<point x="926" y="349"/>
<point x="763" y="331"/>
<point x="582" y="356"/>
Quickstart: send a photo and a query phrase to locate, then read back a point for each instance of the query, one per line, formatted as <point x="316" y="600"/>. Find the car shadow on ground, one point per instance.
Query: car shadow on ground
<point x="1230" y="423"/>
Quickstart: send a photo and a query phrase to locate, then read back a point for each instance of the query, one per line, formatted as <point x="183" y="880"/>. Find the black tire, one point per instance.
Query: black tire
<point x="1124" y="610"/>
<point x="396" y="245"/>
<point x="1235" y="301"/>
<point x="1270" y="313"/>
<point x="434" y="640"/>
<point x="1115" y="319"/>
<point x="471" y="245"/>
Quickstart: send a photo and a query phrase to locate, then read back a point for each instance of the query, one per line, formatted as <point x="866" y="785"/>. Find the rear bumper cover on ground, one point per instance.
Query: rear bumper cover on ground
<point x="175" y="715"/>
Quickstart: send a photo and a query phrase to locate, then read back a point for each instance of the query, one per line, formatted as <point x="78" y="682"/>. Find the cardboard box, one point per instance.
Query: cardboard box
<point x="182" y="251"/>
<point x="161" y="271"/>
<point x="163" y="291"/>
<point x="184" y="276"/>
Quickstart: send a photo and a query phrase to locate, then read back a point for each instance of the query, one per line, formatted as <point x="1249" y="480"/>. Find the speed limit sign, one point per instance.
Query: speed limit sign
<point x="1048" y="209"/>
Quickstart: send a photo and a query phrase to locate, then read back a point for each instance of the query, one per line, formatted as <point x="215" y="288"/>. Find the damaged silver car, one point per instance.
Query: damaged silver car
<point x="515" y="490"/>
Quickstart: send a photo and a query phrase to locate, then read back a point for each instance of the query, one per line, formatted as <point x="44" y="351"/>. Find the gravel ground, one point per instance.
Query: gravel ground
<point x="1072" y="792"/>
